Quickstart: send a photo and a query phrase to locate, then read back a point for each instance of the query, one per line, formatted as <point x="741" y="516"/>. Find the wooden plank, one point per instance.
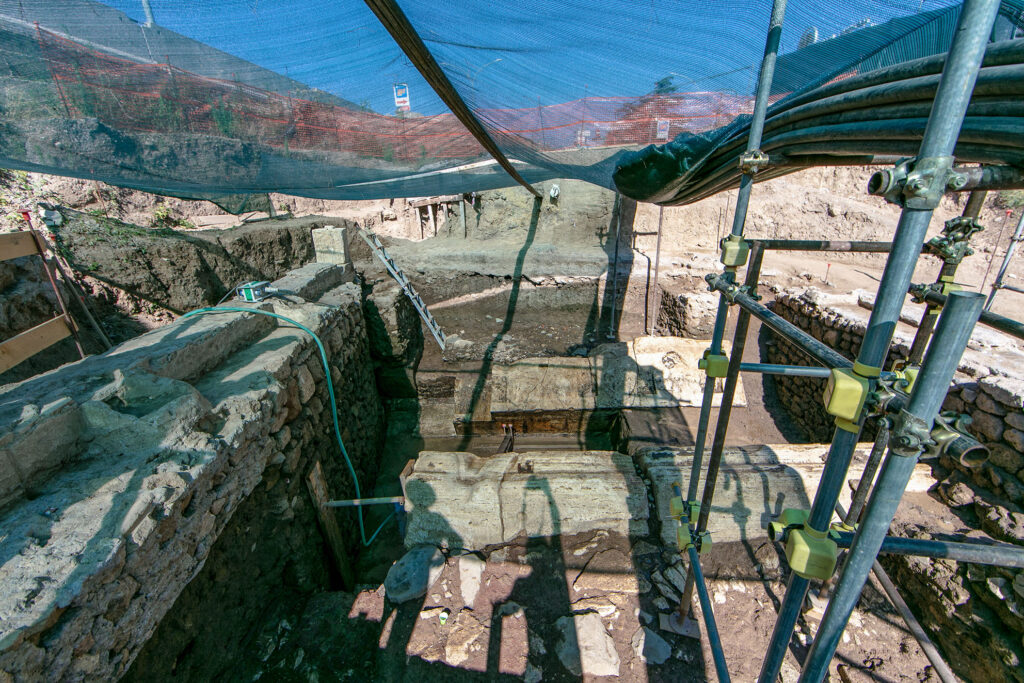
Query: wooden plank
<point x="23" y="346"/>
<point x="317" y="485"/>
<point x="17" y="244"/>
<point x="427" y="201"/>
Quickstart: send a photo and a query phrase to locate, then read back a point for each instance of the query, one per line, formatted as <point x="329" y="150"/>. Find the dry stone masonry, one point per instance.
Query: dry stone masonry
<point x="134" y="482"/>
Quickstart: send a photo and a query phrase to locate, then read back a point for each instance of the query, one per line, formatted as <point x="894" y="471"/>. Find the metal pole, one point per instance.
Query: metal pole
<point x="868" y="475"/>
<point x="613" y="331"/>
<point x="914" y="626"/>
<point x="951" y="98"/>
<point x="988" y="318"/>
<point x="1014" y="241"/>
<point x="927" y="646"/>
<point x="739" y="342"/>
<point x="764" y="86"/>
<point x="816" y="350"/>
<point x="709" y="618"/>
<point x="826" y="245"/>
<point x="999" y="554"/>
<point x="656" y="296"/>
<point x="359" y="502"/>
<point x="148" y="11"/>
<point x="789" y="370"/>
<point x="956" y="322"/>
<point x="946" y="274"/>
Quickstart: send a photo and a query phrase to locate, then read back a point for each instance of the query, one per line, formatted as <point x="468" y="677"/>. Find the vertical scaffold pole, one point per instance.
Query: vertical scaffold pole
<point x="946" y="275"/>
<point x="933" y="162"/>
<point x="956" y="322"/>
<point x="764" y="87"/>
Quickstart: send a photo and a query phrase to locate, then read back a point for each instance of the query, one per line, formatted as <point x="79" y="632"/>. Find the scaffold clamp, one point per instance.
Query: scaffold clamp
<point x="714" y="364"/>
<point x="845" y="394"/>
<point x="734" y="251"/>
<point x="688" y="538"/>
<point x="753" y="162"/>
<point x="811" y="553"/>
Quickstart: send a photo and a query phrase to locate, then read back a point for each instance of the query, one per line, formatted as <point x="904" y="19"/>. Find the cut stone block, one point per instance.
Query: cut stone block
<point x="754" y="485"/>
<point x="331" y="245"/>
<point x="466" y="501"/>
<point x="648" y="372"/>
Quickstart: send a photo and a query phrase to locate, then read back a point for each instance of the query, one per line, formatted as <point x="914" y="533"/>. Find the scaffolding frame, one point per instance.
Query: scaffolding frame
<point x="947" y="324"/>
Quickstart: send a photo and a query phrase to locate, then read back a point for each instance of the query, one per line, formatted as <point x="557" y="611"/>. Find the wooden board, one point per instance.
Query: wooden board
<point x="427" y="201"/>
<point x="317" y="485"/>
<point x="22" y="346"/>
<point x="17" y="244"/>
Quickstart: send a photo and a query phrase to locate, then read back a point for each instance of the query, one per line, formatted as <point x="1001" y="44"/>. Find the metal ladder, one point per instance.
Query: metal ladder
<point x="381" y="253"/>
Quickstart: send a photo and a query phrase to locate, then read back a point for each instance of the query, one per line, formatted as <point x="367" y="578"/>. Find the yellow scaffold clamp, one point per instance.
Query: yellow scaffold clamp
<point x="714" y="364"/>
<point x="686" y="538"/>
<point x="811" y="553"/>
<point x="734" y="251"/>
<point x="679" y="508"/>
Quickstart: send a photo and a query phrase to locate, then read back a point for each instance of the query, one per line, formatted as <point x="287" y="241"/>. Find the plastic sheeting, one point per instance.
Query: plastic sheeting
<point x="227" y="97"/>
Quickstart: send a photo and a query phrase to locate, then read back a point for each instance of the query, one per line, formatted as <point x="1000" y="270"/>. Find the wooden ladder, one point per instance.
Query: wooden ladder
<point x="24" y="345"/>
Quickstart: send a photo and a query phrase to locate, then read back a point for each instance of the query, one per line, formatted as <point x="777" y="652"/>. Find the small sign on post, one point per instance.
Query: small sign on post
<point x="401" y="97"/>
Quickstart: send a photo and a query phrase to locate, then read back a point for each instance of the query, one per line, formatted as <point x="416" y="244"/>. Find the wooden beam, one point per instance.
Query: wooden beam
<point x="23" y="346"/>
<point x="317" y="485"/>
<point x="17" y="244"/>
<point x="442" y="199"/>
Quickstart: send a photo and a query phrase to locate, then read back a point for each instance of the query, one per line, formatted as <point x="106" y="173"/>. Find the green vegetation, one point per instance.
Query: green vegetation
<point x="163" y="218"/>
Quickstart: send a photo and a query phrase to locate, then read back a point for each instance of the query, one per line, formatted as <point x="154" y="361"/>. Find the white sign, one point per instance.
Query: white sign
<point x="401" y="97"/>
<point x="663" y="129"/>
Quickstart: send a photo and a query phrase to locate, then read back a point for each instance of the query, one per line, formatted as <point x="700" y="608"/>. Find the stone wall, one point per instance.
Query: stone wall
<point x="167" y="493"/>
<point x="975" y="613"/>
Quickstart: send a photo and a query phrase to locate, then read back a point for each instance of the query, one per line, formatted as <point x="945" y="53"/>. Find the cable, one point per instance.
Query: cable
<point x="330" y="391"/>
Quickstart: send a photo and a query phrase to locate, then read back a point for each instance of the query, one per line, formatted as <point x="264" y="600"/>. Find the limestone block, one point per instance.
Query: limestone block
<point x="754" y="485"/>
<point x="472" y="502"/>
<point x="331" y="245"/>
<point x="648" y="372"/>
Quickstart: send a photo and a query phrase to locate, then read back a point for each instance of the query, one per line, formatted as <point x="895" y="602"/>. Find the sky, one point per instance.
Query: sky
<point x="512" y="54"/>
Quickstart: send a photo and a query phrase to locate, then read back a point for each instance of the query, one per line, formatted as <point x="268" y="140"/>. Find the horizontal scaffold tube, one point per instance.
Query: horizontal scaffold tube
<point x="816" y="350"/>
<point x="993" y="320"/>
<point x="998" y="554"/>
<point x="825" y="245"/>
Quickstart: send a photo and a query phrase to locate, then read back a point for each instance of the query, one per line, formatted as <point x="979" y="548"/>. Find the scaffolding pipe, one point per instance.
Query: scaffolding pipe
<point x="709" y="617"/>
<point x="732" y="378"/>
<point x="359" y="502"/>
<point x="868" y="475"/>
<point x="956" y="322"/>
<point x="952" y="96"/>
<point x="789" y="370"/>
<point x="993" y="320"/>
<point x="998" y="554"/>
<point x="946" y="274"/>
<point x="826" y="245"/>
<point x="816" y="350"/>
<point x="764" y="86"/>
<point x="1014" y="241"/>
<point x="913" y="625"/>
